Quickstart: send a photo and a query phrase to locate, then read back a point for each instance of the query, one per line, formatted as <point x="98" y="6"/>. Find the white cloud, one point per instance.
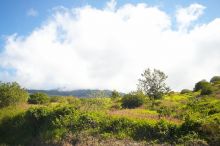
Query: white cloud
<point x="185" y="16"/>
<point x="97" y="48"/>
<point x="32" y="12"/>
<point x="111" y="5"/>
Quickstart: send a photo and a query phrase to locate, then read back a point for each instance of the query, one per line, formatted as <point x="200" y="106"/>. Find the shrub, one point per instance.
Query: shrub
<point x="185" y="91"/>
<point x="164" y="111"/>
<point x="215" y="79"/>
<point x="38" y="98"/>
<point x="192" y="139"/>
<point x="56" y="99"/>
<point x="204" y="86"/>
<point x="73" y="100"/>
<point x="11" y="94"/>
<point x="200" y="85"/>
<point x="115" y="94"/>
<point x="132" y="100"/>
<point x="207" y="90"/>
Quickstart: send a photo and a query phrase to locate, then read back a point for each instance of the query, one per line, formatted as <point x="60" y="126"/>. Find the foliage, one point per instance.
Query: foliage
<point x="177" y="119"/>
<point x="200" y="85"/>
<point x="207" y="90"/>
<point x="11" y="94"/>
<point x="153" y="83"/>
<point x="205" y="87"/>
<point x="185" y="91"/>
<point x="115" y="94"/>
<point x="132" y="100"/>
<point x="38" y="98"/>
<point x="95" y="104"/>
<point x="215" y="79"/>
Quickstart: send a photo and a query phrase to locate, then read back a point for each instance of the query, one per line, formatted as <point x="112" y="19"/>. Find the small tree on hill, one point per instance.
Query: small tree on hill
<point x="11" y="94"/>
<point x="38" y="98"/>
<point x="205" y="87"/>
<point x="133" y="100"/>
<point x="153" y="83"/>
<point x="200" y="85"/>
<point x="215" y="79"/>
<point x="115" y="94"/>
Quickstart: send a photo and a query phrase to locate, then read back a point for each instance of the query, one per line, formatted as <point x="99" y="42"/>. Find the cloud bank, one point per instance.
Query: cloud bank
<point x="109" y="48"/>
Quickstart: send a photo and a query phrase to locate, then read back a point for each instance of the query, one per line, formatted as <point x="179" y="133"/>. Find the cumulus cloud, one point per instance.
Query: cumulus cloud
<point x="32" y="12"/>
<point x="107" y="48"/>
<point x="185" y="16"/>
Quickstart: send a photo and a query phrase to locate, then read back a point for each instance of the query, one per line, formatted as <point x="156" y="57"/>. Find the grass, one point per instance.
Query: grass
<point x="143" y="114"/>
<point x="12" y="111"/>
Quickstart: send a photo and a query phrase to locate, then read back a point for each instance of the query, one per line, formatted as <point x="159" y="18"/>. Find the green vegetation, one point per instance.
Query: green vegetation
<point x="38" y="98"/>
<point x="200" y="85"/>
<point x="153" y="84"/>
<point x="11" y="94"/>
<point x="205" y="87"/>
<point x="115" y="94"/>
<point x="215" y="79"/>
<point x="186" y="118"/>
<point x="185" y="91"/>
<point x="133" y="100"/>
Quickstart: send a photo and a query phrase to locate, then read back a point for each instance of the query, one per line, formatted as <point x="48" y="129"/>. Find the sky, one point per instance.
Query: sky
<point x="90" y="44"/>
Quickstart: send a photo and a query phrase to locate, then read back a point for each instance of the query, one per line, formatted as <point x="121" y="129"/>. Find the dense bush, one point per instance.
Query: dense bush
<point x="132" y="100"/>
<point x="11" y="94"/>
<point x="205" y="87"/>
<point x="185" y="91"/>
<point x="38" y="98"/>
<point x="200" y="85"/>
<point x="51" y="124"/>
<point x="56" y="99"/>
<point x="115" y="94"/>
<point x="164" y="111"/>
<point x="207" y="90"/>
<point x="215" y="79"/>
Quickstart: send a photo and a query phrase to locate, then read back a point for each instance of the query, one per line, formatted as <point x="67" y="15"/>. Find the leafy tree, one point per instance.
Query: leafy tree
<point x="205" y="87"/>
<point x="38" y="98"/>
<point x="215" y="79"/>
<point x="153" y="83"/>
<point x="133" y="100"/>
<point x="207" y="90"/>
<point x="11" y="94"/>
<point x="115" y="94"/>
<point x="200" y="85"/>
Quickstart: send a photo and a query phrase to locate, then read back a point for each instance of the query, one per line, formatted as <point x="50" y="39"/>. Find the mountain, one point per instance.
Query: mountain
<point x="77" y="93"/>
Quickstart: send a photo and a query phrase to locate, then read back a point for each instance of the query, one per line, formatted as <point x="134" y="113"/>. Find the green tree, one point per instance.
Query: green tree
<point x="133" y="100"/>
<point x="152" y="83"/>
<point x="205" y="87"/>
<point x="215" y="79"/>
<point x="200" y="85"/>
<point x="38" y="98"/>
<point x="207" y="90"/>
<point x="115" y="94"/>
<point x="11" y="94"/>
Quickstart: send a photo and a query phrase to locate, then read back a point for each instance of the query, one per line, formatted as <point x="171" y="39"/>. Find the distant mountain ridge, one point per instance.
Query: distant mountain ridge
<point x="77" y="93"/>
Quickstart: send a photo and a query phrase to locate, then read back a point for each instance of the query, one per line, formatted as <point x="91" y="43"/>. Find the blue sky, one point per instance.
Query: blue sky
<point x="14" y="18"/>
<point x="186" y="31"/>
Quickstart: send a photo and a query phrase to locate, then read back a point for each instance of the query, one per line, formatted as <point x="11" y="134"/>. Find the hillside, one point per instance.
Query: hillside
<point x="186" y="118"/>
